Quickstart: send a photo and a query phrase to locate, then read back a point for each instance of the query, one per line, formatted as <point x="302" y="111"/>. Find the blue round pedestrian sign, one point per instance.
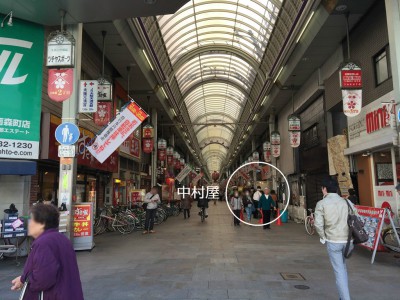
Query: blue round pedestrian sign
<point x="67" y="134"/>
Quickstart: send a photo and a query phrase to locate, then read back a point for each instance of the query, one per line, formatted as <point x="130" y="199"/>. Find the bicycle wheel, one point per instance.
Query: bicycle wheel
<point x="120" y="224"/>
<point x="159" y="217"/>
<point x="99" y="227"/>
<point x="203" y="215"/>
<point x="390" y="240"/>
<point x="131" y="223"/>
<point x="309" y="224"/>
<point x="176" y="212"/>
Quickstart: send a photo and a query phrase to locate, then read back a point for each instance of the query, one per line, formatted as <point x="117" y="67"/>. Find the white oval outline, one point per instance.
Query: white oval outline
<point x="280" y="212"/>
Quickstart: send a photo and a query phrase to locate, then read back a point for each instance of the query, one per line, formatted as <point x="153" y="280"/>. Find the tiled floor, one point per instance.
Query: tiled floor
<point x="187" y="259"/>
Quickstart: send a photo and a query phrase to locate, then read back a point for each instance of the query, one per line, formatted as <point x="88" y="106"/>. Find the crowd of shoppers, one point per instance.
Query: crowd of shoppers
<point x="255" y="203"/>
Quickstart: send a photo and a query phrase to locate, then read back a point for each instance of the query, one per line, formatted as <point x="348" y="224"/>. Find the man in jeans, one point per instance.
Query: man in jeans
<point x="331" y="224"/>
<point x="152" y="199"/>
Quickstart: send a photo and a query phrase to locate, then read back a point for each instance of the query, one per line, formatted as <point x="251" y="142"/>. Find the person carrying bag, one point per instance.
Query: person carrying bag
<point x="357" y="233"/>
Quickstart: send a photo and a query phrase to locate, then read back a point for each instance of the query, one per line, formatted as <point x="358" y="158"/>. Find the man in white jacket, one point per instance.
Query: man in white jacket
<point x="331" y="224"/>
<point x="256" y="197"/>
<point x="152" y="199"/>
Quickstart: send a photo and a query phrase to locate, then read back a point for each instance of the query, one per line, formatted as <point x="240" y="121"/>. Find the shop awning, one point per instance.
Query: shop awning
<point x="17" y="167"/>
<point x="379" y="142"/>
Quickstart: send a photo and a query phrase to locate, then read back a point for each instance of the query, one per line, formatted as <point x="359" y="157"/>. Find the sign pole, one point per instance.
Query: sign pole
<point x="393" y="226"/>
<point x="68" y="167"/>
<point x="378" y="237"/>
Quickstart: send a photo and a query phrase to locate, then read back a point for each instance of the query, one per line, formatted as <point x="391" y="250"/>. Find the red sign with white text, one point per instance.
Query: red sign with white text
<point x="350" y="76"/>
<point x="82" y="220"/>
<point x="351" y="79"/>
<point x="60" y="84"/>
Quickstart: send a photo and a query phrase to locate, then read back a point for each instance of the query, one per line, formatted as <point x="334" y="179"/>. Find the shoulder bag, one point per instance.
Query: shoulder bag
<point x="357" y="232"/>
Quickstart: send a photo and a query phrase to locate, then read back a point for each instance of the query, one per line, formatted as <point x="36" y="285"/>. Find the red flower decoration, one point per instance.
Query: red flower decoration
<point x="351" y="104"/>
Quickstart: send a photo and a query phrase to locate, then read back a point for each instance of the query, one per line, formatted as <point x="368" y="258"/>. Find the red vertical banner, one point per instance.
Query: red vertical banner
<point x="60" y="84"/>
<point x="103" y="114"/>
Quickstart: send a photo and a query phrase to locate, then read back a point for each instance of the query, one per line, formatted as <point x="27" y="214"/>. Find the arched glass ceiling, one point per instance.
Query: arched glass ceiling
<point x="215" y="85"/>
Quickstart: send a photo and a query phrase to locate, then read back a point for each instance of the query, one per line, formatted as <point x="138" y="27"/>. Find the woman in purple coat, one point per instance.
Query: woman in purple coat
<point x="51" y="267"/>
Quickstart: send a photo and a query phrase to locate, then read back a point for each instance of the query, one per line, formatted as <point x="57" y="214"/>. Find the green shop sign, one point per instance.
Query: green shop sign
<point x="21" y="61"/>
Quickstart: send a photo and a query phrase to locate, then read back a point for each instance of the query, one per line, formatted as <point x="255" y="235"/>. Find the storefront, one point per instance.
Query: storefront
<point x="93" y="178"/>
<point x="20" y="106"/>
<point x="374" y="157"/>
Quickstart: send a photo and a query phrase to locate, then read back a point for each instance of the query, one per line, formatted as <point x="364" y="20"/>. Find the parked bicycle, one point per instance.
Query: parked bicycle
<point x="309" y="221"/>
<point x="119" y="221"/>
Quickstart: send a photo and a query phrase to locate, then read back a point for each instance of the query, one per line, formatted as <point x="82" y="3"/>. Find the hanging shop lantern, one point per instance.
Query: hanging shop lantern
<point x="161" y="154"/>
<point x="351" y="85"/>
<point x="60" y="49"/>
<point x="276" y="150"/>
<point x="294" y="123"/>
<point x="352" y="102"/>
<point x="256" y="156"/>
<point x="266" y="146"/>
<point x="162" y="144"/>
<point x="177" y="156"/>
<point x="170" y="181"/>
<point x="275" y="138"/>
<point x="267" y="151"/>
<point x="148" y="131"/>
<point x="267" y="156"/>
<point x="170" y="160"/>
<point x="176" y="162"/>
<point x="170" y="151"/>
<point x="294" y="130"/>
<point x="215" y="175"/>
<point x="294" y="138"/>
<point x="148" y="145"/>
<point x="170" y="155"/>
<point x="104" y="89"/>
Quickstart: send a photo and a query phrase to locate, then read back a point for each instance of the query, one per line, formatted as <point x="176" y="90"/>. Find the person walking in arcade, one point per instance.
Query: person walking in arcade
<point x="265" y="204"/>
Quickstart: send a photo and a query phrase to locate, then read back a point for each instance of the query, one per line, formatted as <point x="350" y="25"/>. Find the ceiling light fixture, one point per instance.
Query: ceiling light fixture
<point x="165" y="94"/>
<point x="263" y="102"/>
<point x="148" y="60"/>
<point x="279" y="73"/>
<point x="10" y="20"/>
<point x="305" y="27"/>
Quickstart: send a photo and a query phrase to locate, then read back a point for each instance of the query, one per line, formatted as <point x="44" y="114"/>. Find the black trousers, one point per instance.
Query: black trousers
<point x="237" y="214"/>
<point x="186" y="211"/>
<point x="150" y="215"/>
<point x="256" y="212"/>
<point x="266" y="218"/>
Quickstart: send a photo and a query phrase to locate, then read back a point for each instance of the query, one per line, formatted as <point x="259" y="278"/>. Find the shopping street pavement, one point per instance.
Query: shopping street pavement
<point x="187" y="259"/>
